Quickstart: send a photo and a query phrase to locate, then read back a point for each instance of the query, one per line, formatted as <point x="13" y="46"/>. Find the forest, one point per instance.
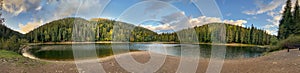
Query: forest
<point x="290" y="22"/>
<point x="10" y="39"/>
<point x="98" y="29"/>
<point x="234" y="34"/>
<point x="94" y="30"/>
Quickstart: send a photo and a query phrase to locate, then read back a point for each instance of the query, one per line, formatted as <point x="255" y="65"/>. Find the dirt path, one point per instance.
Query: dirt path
<point x="276" y="62"/>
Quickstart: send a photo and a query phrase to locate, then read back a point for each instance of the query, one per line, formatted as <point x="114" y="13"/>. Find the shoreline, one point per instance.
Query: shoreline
<point x="109" y="42"/>
<point x="27" y="55"/>
<point x="275" y="62"/>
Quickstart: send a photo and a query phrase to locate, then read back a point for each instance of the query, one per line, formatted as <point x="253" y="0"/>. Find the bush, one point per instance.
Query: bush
<point x="291" y="40"/>
<point x="273" y="41"/>
<point x="12" y="44"/>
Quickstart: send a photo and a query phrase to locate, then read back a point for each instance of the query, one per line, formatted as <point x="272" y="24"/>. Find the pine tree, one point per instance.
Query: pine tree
<point x="2" y="20"/>
<point x="296" y="19"/>
<point x="251" y="34"/>
<point x="285" y="21"/>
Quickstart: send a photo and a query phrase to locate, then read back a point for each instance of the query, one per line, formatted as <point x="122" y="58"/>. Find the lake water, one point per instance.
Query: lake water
<point x="64" y="51"/>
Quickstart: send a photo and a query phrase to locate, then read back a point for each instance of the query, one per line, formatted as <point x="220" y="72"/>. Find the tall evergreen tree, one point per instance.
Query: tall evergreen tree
<point x="251" y="34"/>
<point x="296" y="19"/>
<point x="1" y="19"/>
<point x="285" y="21"/>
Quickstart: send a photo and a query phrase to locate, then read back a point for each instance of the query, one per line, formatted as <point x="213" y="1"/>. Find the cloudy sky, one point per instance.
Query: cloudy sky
<point x="159" y="16"/>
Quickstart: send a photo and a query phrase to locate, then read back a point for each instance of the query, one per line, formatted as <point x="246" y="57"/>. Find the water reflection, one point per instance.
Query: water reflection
<point x="64" y="52"/>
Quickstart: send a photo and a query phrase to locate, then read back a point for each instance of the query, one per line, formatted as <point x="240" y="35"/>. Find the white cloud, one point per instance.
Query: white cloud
<point x="158" y="27"/>
<point x="263" y="8"/>
<point x="63" y="8"/>
<point x="272" y="13"/>
<point x="81" y="8"/>
<point x="18" y="6"/>
<point x="249" y="12"/>
<point x="38" y="8"/>
<point x="205" y="20"/>
<point x="275" y="20"/>
<point x="29" y="26"/>
<point x="178" y="21"/>
<point x="235" y="22"/>
<point x="14" y="6"/>
<point x="268" y="26"/>
<point x="274" y="24"/>
<point x="270" y="9"/>
<point x="272" y="32"/>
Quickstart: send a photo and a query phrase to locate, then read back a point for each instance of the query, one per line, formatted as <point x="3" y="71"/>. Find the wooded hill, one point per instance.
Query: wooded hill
<point x="102" y="30"/>
<point x="234" y="34"/>
<point x="10" y="39"/>
<point x="6" y="32"/>
<point x="95" y="30"/>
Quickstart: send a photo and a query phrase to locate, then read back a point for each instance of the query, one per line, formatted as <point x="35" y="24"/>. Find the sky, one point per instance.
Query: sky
<point x="157" y="15"/>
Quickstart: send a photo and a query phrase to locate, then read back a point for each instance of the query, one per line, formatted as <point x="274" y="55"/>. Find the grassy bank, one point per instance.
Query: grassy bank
<point x="11" y="62"/>
<point x="14" y="58"/>
<point x="9" y="54"/>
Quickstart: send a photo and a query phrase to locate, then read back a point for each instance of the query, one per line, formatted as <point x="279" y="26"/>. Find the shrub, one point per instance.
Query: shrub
<point x="291" y="40"/>
<point x="12" y="44"/>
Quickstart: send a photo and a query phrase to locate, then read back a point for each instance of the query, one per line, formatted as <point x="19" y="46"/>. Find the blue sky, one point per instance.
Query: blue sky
<point x="25" y="15"/>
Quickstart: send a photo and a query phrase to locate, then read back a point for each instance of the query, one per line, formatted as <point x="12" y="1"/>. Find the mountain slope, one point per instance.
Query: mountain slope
<point x="234" y="34"/>
<point x="95" y="30"/>
<point x="6" y="32"/>
<point x="104" y="30"/>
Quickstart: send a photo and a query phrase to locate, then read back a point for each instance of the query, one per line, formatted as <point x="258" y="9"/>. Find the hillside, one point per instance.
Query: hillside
<point x="10" y="39"/>
<point x="6" y="32"/>
<point x="95" y="30"/>
<point x="234" y="34"/>
<point x="99" y="29"/>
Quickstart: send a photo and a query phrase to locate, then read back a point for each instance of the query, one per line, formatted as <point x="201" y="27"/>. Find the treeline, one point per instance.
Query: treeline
<point x="10" y="39"/>
<point x="6" y="32"/>
<point x="13" y="43"/>
<point x="95" y="30"/>
<point x="290" y="22"/>
<point x="110" y="30"/>
<point x="234" y="34"/>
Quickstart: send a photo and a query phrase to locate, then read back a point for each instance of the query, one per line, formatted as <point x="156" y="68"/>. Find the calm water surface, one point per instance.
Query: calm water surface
<point x="64" y="52"/>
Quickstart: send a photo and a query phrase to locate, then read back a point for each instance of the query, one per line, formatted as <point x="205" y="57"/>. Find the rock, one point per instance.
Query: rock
<point x="15" y="59"/>
<point x="274" y="62"/>
<point x="4" y="61"/>
<point x="71" y="69"/>
<point x="112" y="64"/>
<point x="58" y="71"/>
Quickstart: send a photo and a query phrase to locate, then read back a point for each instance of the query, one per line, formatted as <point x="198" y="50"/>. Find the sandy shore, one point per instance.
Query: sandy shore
<point x="276" y="62"/>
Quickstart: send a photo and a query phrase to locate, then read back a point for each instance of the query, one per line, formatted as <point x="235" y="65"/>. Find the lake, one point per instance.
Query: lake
<point x="62" y="52"/>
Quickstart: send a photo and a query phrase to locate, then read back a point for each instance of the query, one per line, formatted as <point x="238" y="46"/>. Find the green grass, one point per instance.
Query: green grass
<point x="13" y="57"/>
<point x="9" y="54"/>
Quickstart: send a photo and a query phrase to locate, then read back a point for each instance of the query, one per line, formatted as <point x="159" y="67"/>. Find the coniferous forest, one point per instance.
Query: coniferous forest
<point x="102" y="29"/>
<point x="290" y="22"/>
